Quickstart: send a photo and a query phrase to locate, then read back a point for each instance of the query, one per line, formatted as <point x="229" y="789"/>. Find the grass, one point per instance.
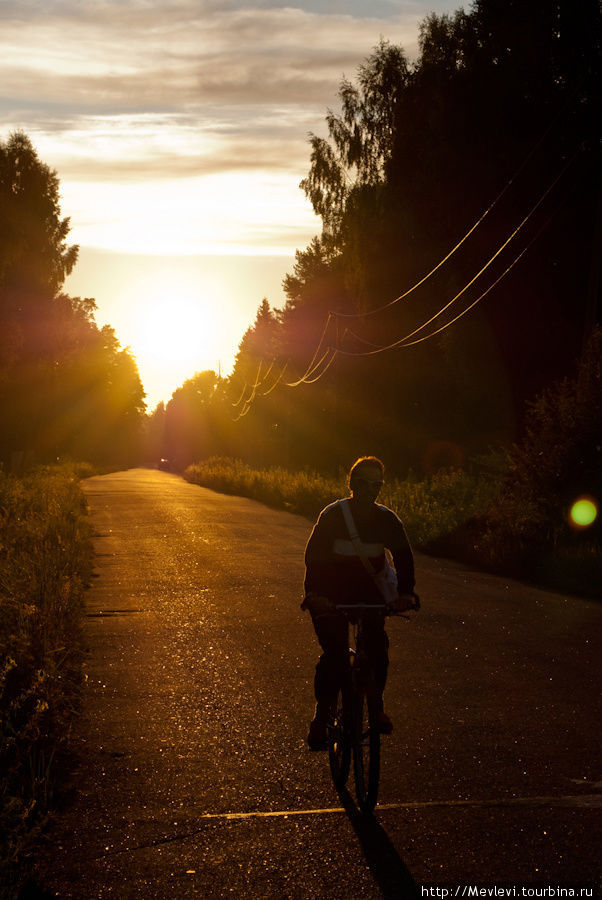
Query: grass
<point x="45" y="561"/>
<point x="429" y="508"/>
<point x="472" y="516"/>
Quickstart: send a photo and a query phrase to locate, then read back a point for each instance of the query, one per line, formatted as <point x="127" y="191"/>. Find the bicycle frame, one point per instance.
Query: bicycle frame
<point x="353" y="729"/>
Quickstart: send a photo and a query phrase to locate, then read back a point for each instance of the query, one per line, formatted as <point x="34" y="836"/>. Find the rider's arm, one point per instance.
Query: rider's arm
<point x="318" y="555"/>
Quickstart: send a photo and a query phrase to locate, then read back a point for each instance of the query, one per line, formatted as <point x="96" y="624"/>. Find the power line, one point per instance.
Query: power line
<point x="276" y="383"/>
<point x="402" y="341"/>
<point x="332" y="352"/>
<point x="325" y="369"/>
<point x="309" y="376"/>
<point x="410" y="290"/>
<point x="239" y="401"/>
<point x="313" y="365"/>
<point x="251" y="397"/>
<point x="491" y="286"/>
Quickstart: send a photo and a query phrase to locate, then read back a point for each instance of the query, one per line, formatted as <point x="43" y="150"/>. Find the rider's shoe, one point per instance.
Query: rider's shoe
<point x="317" y="737"/>
<point x="385" y="725"/>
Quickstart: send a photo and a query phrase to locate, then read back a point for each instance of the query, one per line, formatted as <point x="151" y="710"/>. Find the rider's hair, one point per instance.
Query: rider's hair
<point x="364" y="462"/>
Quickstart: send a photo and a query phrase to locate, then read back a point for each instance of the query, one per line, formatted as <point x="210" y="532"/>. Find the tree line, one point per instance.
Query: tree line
<point x="495" y="125"/>
<point x="67" y="387"/>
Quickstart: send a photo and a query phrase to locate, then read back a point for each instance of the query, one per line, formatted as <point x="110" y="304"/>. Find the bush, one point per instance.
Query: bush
<point x="529" y="531"/>
<point x="429" y="508"/>
<point x="491" y="518"/>
<point x="45" y="560"/>
<point x="305" y="493"/>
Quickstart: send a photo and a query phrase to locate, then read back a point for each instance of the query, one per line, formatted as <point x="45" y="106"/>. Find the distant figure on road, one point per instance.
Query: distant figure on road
<point x="339" y="571"/>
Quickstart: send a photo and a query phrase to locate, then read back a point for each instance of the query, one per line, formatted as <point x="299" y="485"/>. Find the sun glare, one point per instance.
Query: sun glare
<point x="175" y="331"/>
<point x="174" y="336"/>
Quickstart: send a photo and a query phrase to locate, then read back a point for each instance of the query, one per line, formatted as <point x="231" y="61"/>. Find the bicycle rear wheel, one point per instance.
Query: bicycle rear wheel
<point x="366" y="748"/>
<point x="339" y="744"/>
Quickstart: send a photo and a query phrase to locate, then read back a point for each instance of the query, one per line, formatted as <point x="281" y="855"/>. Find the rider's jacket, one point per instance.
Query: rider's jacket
<point x="334" y="570"/>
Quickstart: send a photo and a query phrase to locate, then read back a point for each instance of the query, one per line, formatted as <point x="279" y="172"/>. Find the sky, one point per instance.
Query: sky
<point x="179" y="131"/>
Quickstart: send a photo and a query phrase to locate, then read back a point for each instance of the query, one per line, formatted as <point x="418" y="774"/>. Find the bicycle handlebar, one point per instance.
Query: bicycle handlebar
<point x="379" y="606"/>
<point x="360" y="606"/>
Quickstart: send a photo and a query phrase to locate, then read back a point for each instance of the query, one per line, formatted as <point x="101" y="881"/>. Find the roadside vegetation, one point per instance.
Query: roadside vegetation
<point x="531" y="531"/>
<point x="45" y="562"/>
<point x="430" y="508"/>
<point x="477" y="517"/>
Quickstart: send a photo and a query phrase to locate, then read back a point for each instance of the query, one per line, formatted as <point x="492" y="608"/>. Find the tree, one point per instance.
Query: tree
<point x="34" y="254"/>
<point x="360" y="139"/>
<point x="499" y="98"/>
<point x="66" y="387"/>
<point x="558" y="460"/>
<point x="189" y="420"/>
<point x="259" y="345"/>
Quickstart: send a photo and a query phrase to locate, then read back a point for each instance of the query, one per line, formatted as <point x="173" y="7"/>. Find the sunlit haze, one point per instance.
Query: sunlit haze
<point x="174" y="328"/>
<point x="179" y="130"/>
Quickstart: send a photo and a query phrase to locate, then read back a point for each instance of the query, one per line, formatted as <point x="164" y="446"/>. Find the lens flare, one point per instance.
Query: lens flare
<point x="584" y="512"/>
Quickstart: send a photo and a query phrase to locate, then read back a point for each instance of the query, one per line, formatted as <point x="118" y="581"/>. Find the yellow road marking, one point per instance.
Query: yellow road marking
<point x="585" y="801"/>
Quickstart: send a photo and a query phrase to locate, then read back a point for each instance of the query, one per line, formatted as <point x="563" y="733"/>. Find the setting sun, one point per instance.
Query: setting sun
<point x="174" y="333"/>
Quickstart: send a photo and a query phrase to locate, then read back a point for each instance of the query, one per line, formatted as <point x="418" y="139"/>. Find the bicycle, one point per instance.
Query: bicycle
<point x="353" y="728"/>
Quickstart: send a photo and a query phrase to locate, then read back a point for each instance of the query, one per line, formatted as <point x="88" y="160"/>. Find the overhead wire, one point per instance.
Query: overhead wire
<point x="239" y="401"/>
<point x="276" y="382"/>
<point x="310" y="368"/>
<point x="251" y="397"/>
<point x="324" y="370"/>
<point x="471" y="230"/>
<point x="491" y="286"/>
<point x="267" y="372"/>
<point x="242" y="413"/>
<point x="309" y="376"/>
<point x="402" y="341"/>
<point x="312" y="365"/>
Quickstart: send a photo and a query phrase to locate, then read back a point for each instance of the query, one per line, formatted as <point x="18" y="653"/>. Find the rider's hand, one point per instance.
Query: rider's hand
<point x="318" y="605"/>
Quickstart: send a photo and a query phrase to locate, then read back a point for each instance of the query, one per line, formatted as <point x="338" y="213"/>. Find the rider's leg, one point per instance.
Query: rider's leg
<point x="332" y="632"/>
<point x="377" y="648"/>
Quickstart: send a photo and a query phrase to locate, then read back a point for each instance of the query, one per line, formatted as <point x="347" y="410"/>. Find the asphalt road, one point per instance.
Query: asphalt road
<point x="194" y="777"/>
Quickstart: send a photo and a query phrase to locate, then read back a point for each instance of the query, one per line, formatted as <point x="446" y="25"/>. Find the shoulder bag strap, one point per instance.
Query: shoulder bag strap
<point x="355" y="539"/>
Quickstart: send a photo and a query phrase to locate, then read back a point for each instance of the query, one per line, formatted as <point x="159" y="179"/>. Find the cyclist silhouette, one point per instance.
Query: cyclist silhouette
<point x="335" y="574"/>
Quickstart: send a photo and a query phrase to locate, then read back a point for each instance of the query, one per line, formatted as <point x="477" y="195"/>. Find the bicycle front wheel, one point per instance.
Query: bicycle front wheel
<point x="339" y="744"/>
<point x="366" y="748"/>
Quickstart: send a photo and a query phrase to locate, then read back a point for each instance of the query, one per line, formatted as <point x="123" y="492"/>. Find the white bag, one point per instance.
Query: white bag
<point x="386" y="582"/>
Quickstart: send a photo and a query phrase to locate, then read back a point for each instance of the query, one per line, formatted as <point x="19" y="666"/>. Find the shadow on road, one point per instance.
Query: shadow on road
<point x="389" y="870"/>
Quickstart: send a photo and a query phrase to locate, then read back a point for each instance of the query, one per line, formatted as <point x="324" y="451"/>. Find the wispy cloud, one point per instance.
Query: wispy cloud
<point x="118" y="95"/>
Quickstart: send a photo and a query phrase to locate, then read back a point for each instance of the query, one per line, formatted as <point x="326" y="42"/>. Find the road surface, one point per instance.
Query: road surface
<point x="194" y="777"/>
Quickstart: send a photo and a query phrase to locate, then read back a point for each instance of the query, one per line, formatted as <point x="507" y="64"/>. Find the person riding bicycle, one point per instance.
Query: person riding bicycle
<point x="335" y="574"/>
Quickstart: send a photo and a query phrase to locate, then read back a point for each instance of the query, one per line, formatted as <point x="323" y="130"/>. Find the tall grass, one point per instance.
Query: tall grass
<point x="45" y="560"/>
<point x="474" y="516"/>
<point x="429" y="508"/>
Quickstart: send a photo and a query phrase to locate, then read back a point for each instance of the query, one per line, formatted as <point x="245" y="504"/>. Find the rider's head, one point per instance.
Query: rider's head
<point x="366" y="477"/>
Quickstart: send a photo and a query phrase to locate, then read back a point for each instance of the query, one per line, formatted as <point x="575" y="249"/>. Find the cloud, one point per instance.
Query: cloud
<point x="148" y="146"/>
<point x="124" y="96"/>
<point x="139" y="89"/>
<point x="117" y="55"/>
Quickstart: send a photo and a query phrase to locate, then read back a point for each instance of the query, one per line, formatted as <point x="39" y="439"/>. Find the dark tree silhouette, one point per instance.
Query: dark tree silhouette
<point x="66" y="387"/>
